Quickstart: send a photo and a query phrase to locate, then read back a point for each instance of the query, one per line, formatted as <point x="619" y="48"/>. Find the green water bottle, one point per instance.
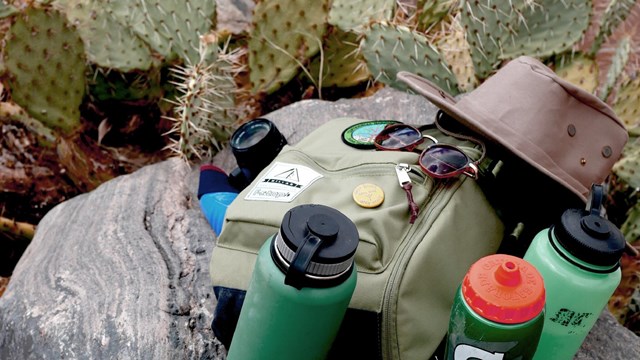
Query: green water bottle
<point x="579" y="261"/>
<point x="498" y="311"/>
<point x="301" y="285"/>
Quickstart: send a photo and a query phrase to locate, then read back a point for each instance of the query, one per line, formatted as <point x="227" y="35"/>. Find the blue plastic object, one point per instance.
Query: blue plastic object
<point x="215" y="194"/>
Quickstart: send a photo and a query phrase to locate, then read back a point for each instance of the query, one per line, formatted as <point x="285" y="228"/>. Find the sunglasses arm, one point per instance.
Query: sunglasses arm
<point x="433" y="140"/>
<point x="471" y="171"/>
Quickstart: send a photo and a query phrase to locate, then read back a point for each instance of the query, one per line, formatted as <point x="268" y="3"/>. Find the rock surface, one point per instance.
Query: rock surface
<point x="122" y="271"/>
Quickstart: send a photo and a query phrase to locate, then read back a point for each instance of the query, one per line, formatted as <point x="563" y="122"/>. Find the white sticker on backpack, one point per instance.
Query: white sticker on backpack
<point x="283" y="182"/>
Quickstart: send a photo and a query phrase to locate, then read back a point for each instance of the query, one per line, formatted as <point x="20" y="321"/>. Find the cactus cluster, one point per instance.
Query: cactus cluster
<point x="205" y="112"/>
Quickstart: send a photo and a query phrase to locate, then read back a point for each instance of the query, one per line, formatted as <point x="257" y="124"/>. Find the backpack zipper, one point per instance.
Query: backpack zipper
<point x="417" y="233"/>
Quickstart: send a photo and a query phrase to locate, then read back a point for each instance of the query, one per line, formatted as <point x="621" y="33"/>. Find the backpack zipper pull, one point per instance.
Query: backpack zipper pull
<point x="402" y="171"/>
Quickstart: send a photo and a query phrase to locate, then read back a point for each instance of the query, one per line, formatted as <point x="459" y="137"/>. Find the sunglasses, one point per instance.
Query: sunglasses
<point x="437" y="160"/>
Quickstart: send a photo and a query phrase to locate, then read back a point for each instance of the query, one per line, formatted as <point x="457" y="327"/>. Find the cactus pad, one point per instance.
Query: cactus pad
<point x="45" y="60"/>
<point x="168" y="26"/>
<point x="285" y="36"/>
<point x="430" y="12"/>
<point x="615" y="13"/>
<point x="388" y="49"/>
<point x="579" y="70"/>
<point x="613" y="64"/>
<point x="502" y="30"/>
<point x="343" y="66"/>
<point x="627" y="104"/>
<point x="453" y="46"/>
<point x="349" y="15"/>
<point x="107" y="42"/>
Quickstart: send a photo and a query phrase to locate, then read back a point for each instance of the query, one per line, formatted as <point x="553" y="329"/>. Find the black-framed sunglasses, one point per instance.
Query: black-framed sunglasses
<point x="437" y="160"/>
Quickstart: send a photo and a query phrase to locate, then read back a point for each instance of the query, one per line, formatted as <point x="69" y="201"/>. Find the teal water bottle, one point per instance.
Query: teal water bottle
<point x="579" y="262"/>
<point x="301" y="285"/>
<point x="498" y="311"/>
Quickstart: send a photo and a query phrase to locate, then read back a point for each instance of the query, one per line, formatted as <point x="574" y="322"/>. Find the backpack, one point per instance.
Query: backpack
<point x="407" y="273"/>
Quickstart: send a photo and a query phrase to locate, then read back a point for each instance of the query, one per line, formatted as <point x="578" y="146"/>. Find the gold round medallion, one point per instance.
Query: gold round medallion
<point x="368" y="195"/>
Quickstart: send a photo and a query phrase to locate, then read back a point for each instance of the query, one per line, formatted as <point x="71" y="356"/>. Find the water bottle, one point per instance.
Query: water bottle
<point x="215" y="194"/>
<point x="579" y="261"/>
<point x="498" y="311"/>
<point x="301" y="285"/>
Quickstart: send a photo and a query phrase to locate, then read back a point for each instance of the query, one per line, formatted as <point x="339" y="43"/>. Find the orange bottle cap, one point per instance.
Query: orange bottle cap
<point x="504" y="288"/>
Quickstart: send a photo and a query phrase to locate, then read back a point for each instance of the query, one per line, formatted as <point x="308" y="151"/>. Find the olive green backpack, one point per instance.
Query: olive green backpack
<point x="407" y="273"/>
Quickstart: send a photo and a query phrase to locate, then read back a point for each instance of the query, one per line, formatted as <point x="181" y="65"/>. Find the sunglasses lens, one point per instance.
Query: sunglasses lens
<point x="442" y="160"/>
<point x="397" y="137"/>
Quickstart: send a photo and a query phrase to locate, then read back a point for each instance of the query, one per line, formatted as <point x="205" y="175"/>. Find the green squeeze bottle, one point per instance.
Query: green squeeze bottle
<point x="579" y="262"/>
<point x="301" y="285"/>
<point x="498" y="311"/>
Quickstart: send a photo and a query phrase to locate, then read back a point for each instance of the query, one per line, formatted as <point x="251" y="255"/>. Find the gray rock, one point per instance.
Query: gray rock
<point x="122" y="271"/>
<point x="234" y="16"/>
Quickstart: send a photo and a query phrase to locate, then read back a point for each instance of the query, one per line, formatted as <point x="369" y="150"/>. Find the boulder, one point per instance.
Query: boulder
<point x="122" y="271"/>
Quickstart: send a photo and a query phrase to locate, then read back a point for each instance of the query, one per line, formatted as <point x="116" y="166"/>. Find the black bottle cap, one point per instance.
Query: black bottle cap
<point x="588" y="236"/>
<point x="316" y="243"/>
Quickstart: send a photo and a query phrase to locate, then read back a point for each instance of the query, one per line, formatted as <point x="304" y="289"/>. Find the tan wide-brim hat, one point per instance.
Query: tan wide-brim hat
<point x="560" y="129"/>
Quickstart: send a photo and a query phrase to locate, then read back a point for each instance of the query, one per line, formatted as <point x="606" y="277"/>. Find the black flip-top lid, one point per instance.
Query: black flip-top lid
<point x="588" y="236"/>
<point x="315" y="242"/>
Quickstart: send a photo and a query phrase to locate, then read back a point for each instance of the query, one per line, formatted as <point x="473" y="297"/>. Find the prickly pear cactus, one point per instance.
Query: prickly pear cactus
<point x="626" y="173"/>
<point x="168" y="26"/>
<point x="44" y="57"/>
<point x="579" y="70"/>
<point x="615" y="64"/>
<point x="627" y="103"/>
<point x="342" y="64"/>
<point x="622" y="298"/>
<point x="388" y="49"/>
<point x="205" y="113"/>
<point x="454" y="48"/>
<point x="284" y="37"/>
<point x="502" y="30"/>
<point x="430" y="12"/>
<point x="7" y="10"/>
<point x="349" y="15"/>
<point x="108" y="43"/>
<point x="615" y="13"/>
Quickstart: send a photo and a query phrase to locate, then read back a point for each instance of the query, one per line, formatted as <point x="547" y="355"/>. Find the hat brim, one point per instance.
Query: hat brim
<point x="496" y="133"/>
